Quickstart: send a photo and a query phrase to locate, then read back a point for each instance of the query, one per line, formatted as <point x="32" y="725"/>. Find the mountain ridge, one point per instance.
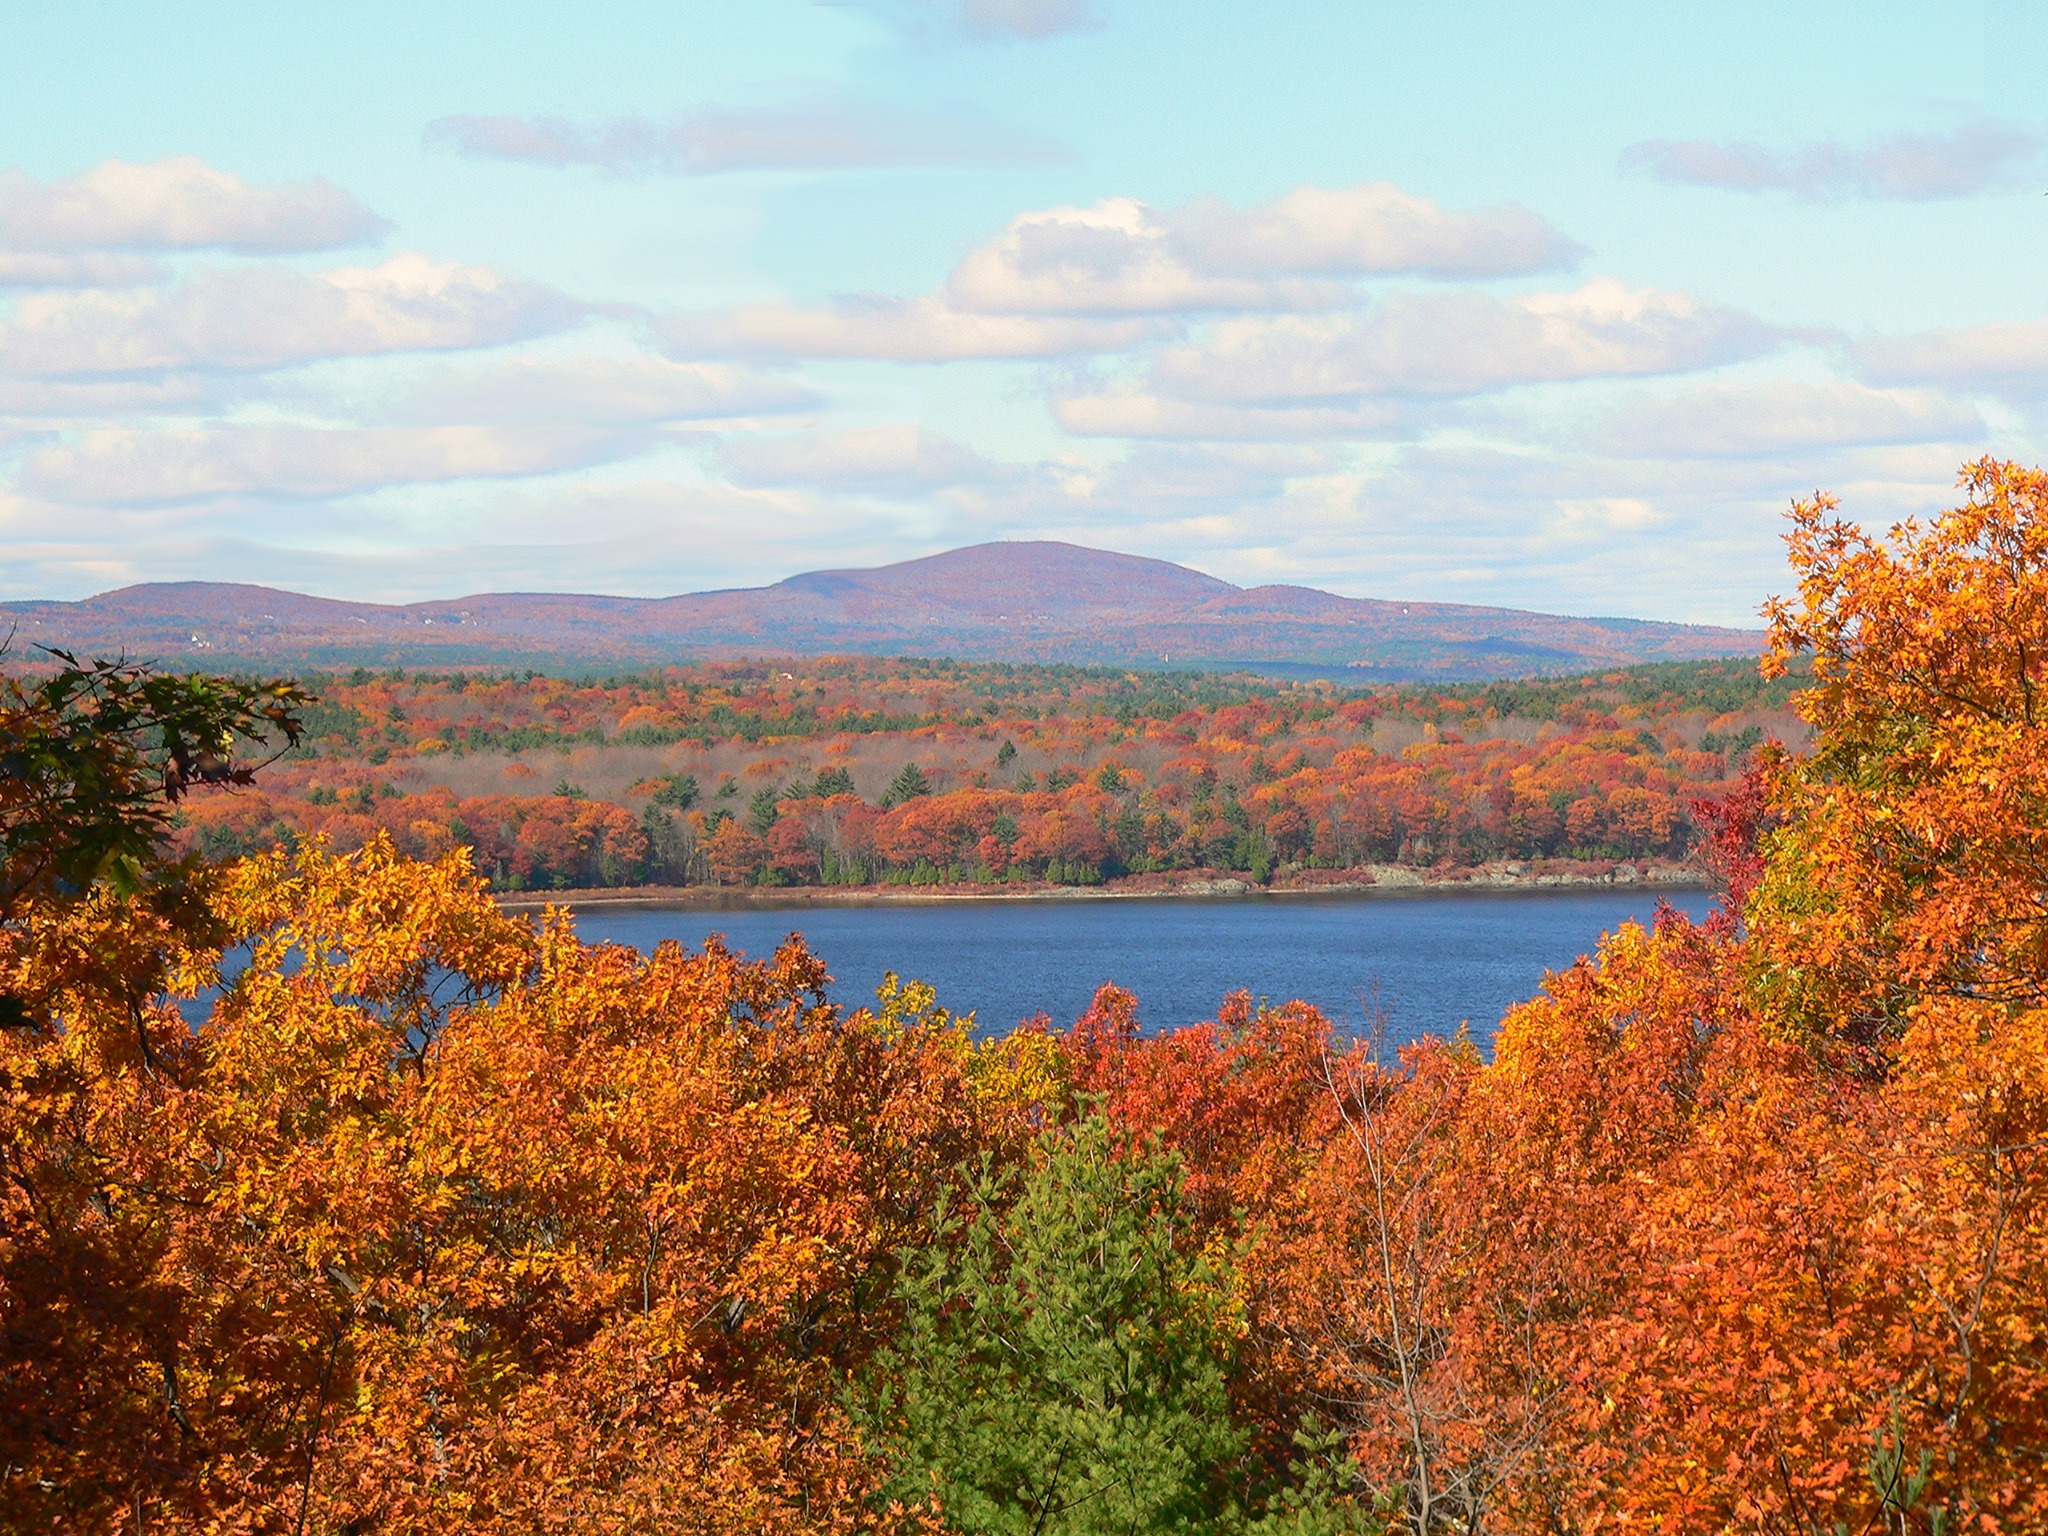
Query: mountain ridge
<point x="1026" y="601"/>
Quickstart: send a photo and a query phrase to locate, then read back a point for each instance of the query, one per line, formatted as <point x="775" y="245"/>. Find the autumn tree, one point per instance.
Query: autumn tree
<point x="436" y="1220"/>
<point x="1756" y="1213"/>
<point x="1916" y="830"/>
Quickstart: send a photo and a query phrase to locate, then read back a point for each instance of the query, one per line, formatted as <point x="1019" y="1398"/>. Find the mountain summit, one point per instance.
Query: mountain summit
<point x="1023" y="601"/>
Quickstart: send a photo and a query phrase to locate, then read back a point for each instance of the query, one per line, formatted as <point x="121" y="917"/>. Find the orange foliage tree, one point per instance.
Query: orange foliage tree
<point x="1778" y="1197"/>
<point x="439" y="1221"/>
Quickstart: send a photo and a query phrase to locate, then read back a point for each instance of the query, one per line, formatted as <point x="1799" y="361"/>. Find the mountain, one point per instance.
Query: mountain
<point x="994" y="602"/>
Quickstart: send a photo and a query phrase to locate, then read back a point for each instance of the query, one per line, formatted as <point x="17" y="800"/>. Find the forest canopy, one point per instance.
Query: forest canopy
<point x="858" y="772"/>
<point x="430" y="1217"/>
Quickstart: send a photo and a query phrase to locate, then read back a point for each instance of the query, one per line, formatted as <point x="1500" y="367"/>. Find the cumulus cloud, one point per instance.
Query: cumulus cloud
<point x="1782" y="416"/>
<point x="1115" y="258"/>
<point x="2004" y="357"/>
<point x="602" y="391"/>
<point x="1066" y="494"/>
<point x="1692" y="540"/>
<point x="660" y="535"/>
<point x="1909" y="167"/>
<point x="1602" y="517"/>
<point x="921" y="330"/>
<point x="64" y="399"/>
<point x="1458" y="343"/>
<point x="1138" y="413"/>
<point x="1217" y="476"/>
<point x="123" y="467"/>
<point x="1372" y="228"/>
<point x="266" y="317"/>
<point x="1121" y="256"/>
<point x="75" y="269"/>
<point x="895" y="458"/>
<point x="179" y="204"/>
<point x="1073" y="281"/>
<point x="812" y="136"/>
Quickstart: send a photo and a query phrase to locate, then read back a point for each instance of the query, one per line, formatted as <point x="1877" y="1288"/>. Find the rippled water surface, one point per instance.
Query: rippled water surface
<point x="1431" y="961"/>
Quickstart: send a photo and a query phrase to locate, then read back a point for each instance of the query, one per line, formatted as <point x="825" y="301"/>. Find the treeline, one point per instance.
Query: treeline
<point x="416" y="1216"/>
<point x="937" y="773"/>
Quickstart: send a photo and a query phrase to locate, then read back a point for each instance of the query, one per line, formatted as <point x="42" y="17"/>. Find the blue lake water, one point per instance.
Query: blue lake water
<point x="1430" y="961"/>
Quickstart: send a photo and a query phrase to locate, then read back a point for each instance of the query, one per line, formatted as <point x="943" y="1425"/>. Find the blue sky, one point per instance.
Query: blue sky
<point x="1546" y="307"/>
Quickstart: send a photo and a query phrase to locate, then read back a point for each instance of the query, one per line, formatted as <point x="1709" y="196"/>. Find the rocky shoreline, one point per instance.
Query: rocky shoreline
<point x="1363" y="880"/>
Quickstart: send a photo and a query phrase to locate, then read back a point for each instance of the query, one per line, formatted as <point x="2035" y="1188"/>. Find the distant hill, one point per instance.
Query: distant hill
<point x="993" y="602"/>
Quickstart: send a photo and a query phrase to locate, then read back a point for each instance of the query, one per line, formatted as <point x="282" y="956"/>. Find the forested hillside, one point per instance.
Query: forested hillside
<point x="856" y="772"/>
<point x="430" y="1218"/>
<point x="1029" y="600"/>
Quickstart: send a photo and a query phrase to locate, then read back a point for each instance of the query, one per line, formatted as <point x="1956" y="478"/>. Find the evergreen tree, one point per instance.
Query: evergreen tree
<point x="1061" y="1365"/>
<point x="907" y="785"/>
<point x="676" y="789"/>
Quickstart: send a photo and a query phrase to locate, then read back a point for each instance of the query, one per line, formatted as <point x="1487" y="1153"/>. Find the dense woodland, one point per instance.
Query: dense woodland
<point x="861" y="772"/>
<point x="430" y="1218"/>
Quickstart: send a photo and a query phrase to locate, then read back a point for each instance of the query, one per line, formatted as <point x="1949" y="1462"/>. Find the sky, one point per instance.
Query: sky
<point x="1547" y="307"/>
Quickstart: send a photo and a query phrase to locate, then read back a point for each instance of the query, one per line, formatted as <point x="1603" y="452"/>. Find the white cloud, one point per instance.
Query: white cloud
<point x="900" y="462"/>
<point x="1074" y="281"/>
<point x="180" y="204"/>
<point x="1123" y="257"/>
<point x="2003" y="357"/>
<point x="1372" y="228"/>
<point x="127" y="468"/>
<point x="1458" y="343"/>
<point x="75" y="269"/>
<point x="601" y="391"/>
<point x="1909" y="167"/>
<point x="1601" y="517"/>
<point x="901" y="330"/>
<point x="1115" y="258"/>
<point x="1222" y="477"/>
<point x="1139" y="413"/>
<point x="896" y="458"/>
<point x="658" y="536"/>
<point x="809" y="136"/>
<point x="56" y="399"/>
<point x="264" y="317"/>
<point x="1782" y="416"/>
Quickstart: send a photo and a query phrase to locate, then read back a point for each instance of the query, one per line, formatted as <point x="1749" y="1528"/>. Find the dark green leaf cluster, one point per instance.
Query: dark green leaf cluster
<point x="832" y="781"/>
<point x="95" y="755"/>
<point x="1061" y="1366"/>
<point x="677" y="790"/>
<point x="907" y="785"/>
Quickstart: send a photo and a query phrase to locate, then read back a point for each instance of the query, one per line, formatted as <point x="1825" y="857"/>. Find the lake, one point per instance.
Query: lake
<point x="1430" y="960"/>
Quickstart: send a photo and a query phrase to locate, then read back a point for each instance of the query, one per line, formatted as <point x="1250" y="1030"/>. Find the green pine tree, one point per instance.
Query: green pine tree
<point x="907" y="785"/>
<point x="1061" y="1365"/>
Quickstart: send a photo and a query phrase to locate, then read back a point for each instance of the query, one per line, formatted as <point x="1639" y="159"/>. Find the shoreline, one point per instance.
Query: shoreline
<point x="1378" y="880"/>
